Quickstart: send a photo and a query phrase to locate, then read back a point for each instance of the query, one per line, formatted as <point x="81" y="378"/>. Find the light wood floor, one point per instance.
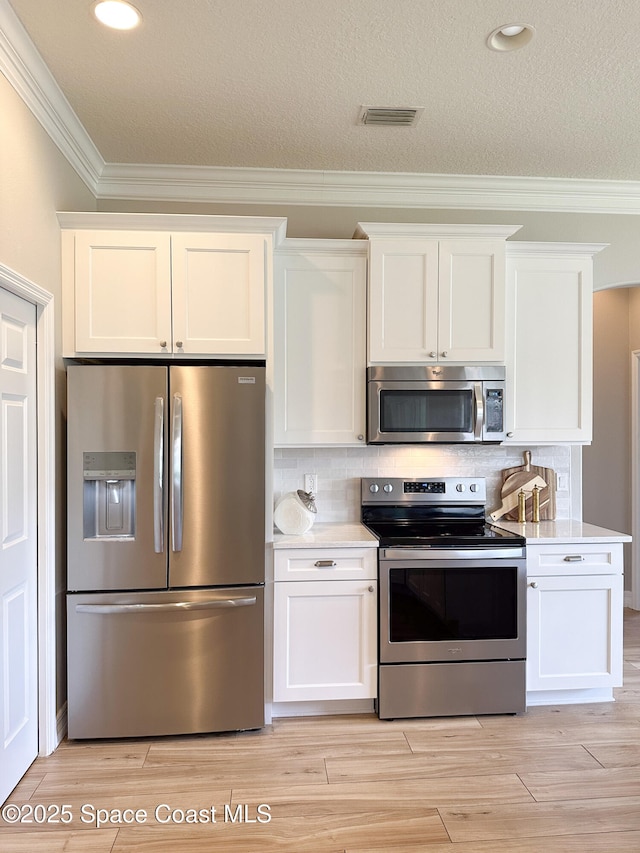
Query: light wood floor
<point x="562" y="779"/>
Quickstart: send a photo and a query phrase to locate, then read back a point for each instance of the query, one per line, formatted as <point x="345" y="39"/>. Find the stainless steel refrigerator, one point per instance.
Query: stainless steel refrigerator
<point x="166" y="549"/>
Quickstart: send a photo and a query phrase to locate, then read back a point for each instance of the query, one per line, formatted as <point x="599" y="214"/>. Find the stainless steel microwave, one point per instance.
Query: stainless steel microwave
<point x="435" y="403"/>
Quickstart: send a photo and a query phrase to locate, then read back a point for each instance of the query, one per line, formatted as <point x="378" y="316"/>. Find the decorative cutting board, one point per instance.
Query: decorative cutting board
<point x="519" y="477"/>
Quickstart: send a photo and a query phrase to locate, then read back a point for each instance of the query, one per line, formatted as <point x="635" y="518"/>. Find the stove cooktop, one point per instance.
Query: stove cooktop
<point x="442" y="512"/>
<point x="443" y="535"/>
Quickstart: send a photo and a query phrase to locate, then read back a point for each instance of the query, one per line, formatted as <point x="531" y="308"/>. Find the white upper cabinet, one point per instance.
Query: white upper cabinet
<point x="122" y="291"/>
<point x="549" y="343"/>
<point x="319" y="342"/>
<point x="218" y="293"/>
<point x="436" y="293"/>
<point x="131" y="291"/>
<point x="403" y="300"/>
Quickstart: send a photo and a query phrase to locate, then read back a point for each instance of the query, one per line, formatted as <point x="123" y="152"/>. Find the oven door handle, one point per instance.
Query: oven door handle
<point x="479" y="407"/>
<point x="451" y="553"/>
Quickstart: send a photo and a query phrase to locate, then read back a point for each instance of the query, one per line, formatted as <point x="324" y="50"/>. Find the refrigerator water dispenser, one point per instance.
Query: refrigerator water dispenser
<point x="109" y="500"/>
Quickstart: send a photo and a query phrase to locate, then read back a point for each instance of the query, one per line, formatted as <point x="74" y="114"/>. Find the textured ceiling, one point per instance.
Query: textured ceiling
<point x="279" y="84"/>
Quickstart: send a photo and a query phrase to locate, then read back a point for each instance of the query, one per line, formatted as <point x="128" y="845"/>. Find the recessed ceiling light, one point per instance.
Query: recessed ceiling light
<point x="510" y="37"/>
<point x="117" y="14"/>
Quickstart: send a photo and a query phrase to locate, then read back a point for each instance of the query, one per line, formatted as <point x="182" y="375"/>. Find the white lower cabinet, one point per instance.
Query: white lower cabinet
<point x="325" y="630"/>
<point x="574" y="620"/>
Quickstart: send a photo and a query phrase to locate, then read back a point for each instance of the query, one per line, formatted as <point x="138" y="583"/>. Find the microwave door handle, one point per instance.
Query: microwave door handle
<point x="479" y="407"/>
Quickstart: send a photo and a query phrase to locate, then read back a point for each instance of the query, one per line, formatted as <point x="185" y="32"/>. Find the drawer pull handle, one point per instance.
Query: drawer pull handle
<point x="574" y="558"/>
<point x="325" y="564"/>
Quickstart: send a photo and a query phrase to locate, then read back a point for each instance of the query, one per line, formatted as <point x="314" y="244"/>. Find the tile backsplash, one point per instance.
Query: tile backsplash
<point x="339" y="471"/>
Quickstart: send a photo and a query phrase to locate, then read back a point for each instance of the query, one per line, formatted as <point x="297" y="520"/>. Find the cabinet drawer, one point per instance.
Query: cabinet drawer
<point x="580" y="559"/>
<point x="325" y="564"/>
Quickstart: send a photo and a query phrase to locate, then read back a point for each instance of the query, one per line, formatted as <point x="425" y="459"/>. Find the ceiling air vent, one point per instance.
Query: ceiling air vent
<point x="390" y="116"/>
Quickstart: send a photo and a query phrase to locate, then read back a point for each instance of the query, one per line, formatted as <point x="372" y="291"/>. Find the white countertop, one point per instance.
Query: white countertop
<point x="329" y="535"/>
<point x="563" y="530"/>
<point x="353" y="534"/>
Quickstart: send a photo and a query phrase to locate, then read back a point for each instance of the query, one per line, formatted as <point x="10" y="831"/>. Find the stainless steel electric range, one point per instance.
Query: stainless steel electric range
<point x="452" y="599"/>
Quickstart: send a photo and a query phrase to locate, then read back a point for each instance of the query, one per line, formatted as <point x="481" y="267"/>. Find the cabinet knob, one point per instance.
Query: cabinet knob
<point x="534" y="585"/>
<point x="433" y="354"/>
<point x="361" y="438"/>
<point x="163" y="344"/>
<point x="444" y="353"/>
<point x="179" y="344"/>
<point x="372" y="589"/>
<point x="509" y="435"/>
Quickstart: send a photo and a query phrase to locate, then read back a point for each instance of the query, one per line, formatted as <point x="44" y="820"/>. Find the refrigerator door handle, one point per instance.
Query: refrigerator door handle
<point x="213" y="604"/>
<point x="158" y="476"/>
<point x="176" y="474"/>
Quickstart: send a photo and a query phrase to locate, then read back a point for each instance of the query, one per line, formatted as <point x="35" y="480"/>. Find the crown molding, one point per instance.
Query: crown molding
<point x="27" y="72"/>
<point x="365" y="189"/>
<point x="395" y="230"/>
<point x="25" y="69"/>
<point x="563" y="250"/>
<point x="276" y="226"/>
<point x="323" y="245"/>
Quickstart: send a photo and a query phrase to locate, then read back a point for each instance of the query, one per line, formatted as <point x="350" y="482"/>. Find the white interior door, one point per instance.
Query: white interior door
<point x="18" y="541"/>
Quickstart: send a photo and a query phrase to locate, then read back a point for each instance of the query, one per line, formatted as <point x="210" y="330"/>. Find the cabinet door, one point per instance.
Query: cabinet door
<point x="219" y="293"/>
<point x="471" y="307"/>
<point x="319" y="349"/>
<point x="574" y="632"/>
<point x="122" y="292"/>
<point x="324" y="640"/>
<point x="403" y="301"/>
<point x="549" y="351"/>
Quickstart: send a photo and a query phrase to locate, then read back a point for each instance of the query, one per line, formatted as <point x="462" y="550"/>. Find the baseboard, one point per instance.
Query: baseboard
<point x="322" y="709"/>
<point x="569" y="697"/>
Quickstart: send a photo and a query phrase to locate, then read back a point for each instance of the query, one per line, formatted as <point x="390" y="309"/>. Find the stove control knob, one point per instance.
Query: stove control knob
<point x="388" y="487"/>
<point x="374" y="487"/>
<point x="473" y="487"/>
<point x="460" y="487"/>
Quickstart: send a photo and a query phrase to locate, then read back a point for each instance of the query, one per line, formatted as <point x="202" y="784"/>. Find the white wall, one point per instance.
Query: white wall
<point x="607" y="461"/>
<point x="35" y="182"/>
<point x="606" y="468"/>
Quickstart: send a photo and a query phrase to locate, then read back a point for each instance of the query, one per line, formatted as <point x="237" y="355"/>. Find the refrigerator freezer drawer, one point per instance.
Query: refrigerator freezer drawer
<point x="158" y="663"/>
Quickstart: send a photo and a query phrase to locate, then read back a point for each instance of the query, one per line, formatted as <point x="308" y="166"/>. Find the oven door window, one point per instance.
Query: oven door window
<point x="441" y="410"/>
<point x="427" y="604"/>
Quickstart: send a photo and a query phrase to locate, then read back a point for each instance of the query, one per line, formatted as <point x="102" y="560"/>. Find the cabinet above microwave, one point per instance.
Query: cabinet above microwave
<point x="436" y="293"/>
